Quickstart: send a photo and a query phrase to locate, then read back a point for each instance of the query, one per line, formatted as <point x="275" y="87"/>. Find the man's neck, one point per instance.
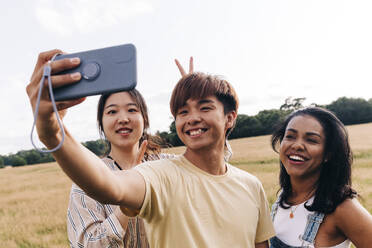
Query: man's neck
<point x="210" y="161"/>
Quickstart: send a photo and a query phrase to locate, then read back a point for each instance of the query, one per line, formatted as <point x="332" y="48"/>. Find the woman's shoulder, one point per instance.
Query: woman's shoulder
<point x="348" y="206"/>
<point x="343" y="212"/>
<point x="350" y="213"/>
<point x="354" y="221"/>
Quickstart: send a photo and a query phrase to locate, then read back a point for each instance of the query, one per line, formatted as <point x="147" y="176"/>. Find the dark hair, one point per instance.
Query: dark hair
<point x="334" y="184"/>
<point x="152" y="146"/>
<point x="199" y="85"/>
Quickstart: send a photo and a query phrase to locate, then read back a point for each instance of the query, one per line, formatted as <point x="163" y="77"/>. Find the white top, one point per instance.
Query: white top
<point x="289" y="230"/>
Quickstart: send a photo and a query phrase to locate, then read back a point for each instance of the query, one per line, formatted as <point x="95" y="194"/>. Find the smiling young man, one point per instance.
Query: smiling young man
<point x="198" y="197"/>
<point x="192" y="200"/>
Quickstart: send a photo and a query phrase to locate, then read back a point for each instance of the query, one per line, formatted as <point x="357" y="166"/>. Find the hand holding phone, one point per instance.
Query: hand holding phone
<point x="103" y="71"/>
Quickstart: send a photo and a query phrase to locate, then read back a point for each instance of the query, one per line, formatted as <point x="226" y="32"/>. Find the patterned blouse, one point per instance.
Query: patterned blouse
<point x="92" y="224"/>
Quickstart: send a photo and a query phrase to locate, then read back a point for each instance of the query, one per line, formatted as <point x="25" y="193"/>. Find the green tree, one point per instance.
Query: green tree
<point x="174" y="140"/>
<point x="6" y="160"/>
<point x="98" y="147"/>
<point x="16" y="160"/>
<point x="46" y="158"/>
<point x="269" y="119"/>
<point x="31" y="156"/>
<point x="1" y="162"/>
<point x="352" y="110"/>
<point x="245" y="126"/>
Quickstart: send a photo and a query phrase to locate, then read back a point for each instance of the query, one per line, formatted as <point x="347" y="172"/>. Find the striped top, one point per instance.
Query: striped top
<point x="92" y="224"/>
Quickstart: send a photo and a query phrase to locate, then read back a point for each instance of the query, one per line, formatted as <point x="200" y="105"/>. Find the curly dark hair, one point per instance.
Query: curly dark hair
<point x="334" y="184"/>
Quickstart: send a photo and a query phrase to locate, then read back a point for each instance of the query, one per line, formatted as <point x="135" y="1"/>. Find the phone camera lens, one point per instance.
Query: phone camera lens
<point x="91" y="71"/>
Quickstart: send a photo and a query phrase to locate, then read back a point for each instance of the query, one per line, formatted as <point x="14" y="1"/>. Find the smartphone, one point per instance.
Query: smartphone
<point x="103" y="71"/>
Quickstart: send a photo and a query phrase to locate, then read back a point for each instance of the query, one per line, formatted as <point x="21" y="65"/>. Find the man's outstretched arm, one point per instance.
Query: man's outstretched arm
<point x="126" y="188"/>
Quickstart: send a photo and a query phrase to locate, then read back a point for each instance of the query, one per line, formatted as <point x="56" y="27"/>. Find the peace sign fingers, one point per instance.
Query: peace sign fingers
<point x="182" y="70"/>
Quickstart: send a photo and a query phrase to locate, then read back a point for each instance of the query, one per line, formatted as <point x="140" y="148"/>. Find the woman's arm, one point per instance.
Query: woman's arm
<point x="82" y="166"/>
<point x="355" y="222"/>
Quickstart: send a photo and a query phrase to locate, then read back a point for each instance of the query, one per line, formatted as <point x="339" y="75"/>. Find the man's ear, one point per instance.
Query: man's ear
<point x="231" y="117"/>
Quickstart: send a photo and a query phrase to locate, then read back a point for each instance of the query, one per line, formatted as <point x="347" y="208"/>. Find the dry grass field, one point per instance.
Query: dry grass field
<point x="34" y="198"/>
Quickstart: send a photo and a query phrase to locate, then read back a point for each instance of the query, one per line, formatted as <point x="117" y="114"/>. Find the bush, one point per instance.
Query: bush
<point x="16" y="160"/>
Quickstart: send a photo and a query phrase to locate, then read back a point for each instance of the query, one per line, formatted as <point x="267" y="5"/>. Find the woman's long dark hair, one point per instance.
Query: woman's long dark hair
<point x="152" y="145"/>
<point x="334" y="184"/>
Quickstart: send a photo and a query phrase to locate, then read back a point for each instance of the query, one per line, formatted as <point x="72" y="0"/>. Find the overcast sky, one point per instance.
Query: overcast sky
<point x="268" y="49"/>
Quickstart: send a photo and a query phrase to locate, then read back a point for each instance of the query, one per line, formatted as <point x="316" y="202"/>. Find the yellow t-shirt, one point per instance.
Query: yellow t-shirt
<point x="187" y="207"/>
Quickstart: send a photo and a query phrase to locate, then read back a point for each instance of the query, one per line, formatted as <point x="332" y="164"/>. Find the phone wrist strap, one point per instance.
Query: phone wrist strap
<point x="47" y="76"/>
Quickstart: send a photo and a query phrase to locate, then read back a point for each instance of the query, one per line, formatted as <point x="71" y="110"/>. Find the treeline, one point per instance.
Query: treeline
<point x="348" y="110"/>
<point x="29" y="157"/>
